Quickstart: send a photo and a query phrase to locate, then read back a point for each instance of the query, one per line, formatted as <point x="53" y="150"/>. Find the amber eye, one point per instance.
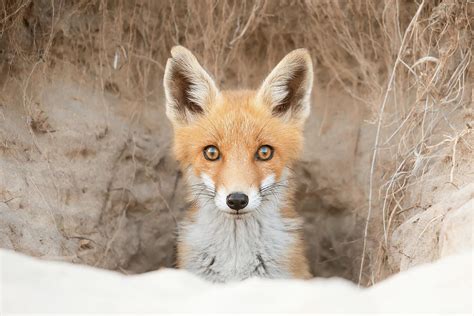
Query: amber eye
<point x="211" y="153"/>
<point x="264" y="153"/>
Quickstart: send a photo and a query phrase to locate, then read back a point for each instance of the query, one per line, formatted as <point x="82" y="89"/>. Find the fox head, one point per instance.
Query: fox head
<point x="237" y="147"/>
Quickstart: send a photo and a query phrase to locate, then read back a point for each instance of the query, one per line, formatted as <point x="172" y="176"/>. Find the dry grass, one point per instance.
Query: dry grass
<point x="407" y="62"/>
<point x="434" y="64"/>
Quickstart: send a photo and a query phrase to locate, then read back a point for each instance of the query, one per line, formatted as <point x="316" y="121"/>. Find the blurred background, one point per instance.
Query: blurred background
<point x="86" y="170"/>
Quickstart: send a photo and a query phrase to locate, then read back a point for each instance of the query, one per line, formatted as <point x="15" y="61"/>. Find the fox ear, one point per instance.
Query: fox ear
<point x="287" y="89"/>
<point x="189" y="89"/>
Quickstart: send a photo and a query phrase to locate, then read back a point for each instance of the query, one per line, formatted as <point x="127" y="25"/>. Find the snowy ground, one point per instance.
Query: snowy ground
<point x="32" y="285"/>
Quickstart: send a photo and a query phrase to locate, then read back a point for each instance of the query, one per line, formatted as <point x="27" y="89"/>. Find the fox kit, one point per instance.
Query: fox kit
<point x="237" y="149"/>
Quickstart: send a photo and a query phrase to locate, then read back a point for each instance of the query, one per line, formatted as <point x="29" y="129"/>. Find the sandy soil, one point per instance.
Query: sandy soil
<point x="86" y="173"/>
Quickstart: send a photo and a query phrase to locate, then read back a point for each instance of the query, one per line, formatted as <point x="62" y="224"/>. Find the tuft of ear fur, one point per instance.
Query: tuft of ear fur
<point x="287" y="89"/>
<point x="189" y="89"/>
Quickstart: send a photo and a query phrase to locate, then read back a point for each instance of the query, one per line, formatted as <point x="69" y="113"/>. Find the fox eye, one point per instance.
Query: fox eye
<point x="211" y="153"/>
<point x="264" y="153"/>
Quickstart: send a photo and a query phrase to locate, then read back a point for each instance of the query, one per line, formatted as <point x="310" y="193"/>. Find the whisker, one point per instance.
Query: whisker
<point x="273" y="187"/>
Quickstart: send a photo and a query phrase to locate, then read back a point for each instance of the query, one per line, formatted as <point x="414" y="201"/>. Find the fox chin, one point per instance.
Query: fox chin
<point x="237" y="149"/>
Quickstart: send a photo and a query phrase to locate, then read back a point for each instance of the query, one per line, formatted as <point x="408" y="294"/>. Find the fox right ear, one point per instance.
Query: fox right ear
<point x="287" y="89"/>
<point x="189" y="89"/>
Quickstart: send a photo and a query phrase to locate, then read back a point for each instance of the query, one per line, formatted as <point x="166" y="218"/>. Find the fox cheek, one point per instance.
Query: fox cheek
<point x="208" y="182"/>
<point x="267" y="181"/>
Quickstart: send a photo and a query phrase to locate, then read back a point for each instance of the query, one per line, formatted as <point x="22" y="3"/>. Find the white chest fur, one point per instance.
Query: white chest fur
<point x="223" y="248"/>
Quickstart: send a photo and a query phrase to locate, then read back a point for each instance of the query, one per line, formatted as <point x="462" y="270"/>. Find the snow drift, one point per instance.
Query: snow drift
<point x="29" y="284"/>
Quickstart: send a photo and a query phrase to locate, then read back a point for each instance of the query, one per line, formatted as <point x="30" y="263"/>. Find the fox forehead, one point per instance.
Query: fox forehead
<point x="238" y="126"/>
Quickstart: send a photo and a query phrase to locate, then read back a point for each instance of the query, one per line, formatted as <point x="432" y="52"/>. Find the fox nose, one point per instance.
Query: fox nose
<point x="237" y="200"/>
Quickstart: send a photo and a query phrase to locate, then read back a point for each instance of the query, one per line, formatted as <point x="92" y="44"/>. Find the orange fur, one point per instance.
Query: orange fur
<point x="239" y="127"/>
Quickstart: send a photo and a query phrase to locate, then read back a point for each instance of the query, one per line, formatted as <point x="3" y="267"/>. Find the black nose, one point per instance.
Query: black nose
<point x="237" y="201"/>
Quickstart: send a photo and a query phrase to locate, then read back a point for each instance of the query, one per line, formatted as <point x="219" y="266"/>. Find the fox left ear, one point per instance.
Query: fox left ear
<point x="287" y="89"/>
<point x="189" y="89"/>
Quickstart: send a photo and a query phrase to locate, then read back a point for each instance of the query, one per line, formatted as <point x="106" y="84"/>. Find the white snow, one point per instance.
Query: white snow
<point x="31" y="285"/>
